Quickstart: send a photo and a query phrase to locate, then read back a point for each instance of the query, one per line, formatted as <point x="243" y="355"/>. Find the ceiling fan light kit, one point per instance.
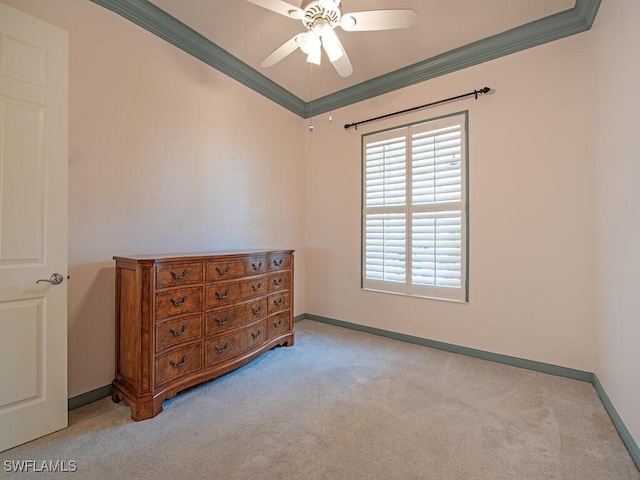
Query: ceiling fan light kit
<point x="320" y="18"/>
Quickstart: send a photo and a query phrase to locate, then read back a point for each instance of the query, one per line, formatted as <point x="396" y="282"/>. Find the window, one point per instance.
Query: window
<point x="414" y="218"/>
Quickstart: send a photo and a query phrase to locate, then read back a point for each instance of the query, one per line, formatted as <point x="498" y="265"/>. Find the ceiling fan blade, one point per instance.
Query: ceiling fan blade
<point x="342" y="64"/>
<point x="282" y="51"/>
<point x="378" y="20"/>
<point x="278" y="6"/>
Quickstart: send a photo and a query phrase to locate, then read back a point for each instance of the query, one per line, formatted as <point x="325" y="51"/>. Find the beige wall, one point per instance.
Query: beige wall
<point x="531" y="210"/>
<point x="166" y="155"/>
<point x="616" y="66"/>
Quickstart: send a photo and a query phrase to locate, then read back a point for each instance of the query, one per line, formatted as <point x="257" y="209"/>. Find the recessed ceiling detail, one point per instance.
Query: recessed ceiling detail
<point x="552" y="27"/>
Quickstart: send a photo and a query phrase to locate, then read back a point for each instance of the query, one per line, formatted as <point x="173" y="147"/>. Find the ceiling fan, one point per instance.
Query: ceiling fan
<point x="320" y="18"/>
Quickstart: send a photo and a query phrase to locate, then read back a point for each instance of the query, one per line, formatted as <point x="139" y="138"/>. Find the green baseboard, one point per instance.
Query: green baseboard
<point x="89" y="397"/>
<point x="624" y="433"/>
<point x="471" y="352"/>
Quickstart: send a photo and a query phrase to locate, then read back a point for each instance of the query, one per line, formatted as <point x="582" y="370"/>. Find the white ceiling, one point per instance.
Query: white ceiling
<point x="250" y="33"/>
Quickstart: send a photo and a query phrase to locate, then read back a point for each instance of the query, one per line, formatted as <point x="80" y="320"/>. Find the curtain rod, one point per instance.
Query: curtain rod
<point x="475" y="92"/>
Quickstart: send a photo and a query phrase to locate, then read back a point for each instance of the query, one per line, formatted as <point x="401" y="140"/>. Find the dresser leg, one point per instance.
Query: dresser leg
<point x="289" y="342"/>
<point x="116" y="394"/>
<point x="142" y="408"/>
<point x="145" y="409"/>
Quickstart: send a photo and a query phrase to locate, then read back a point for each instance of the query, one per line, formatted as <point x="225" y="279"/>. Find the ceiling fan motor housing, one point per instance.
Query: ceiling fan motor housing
<point x="321" y="11"/>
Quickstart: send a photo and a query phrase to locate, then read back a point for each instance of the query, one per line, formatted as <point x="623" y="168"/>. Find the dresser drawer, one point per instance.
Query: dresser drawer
<point x="222" y="270"/>
<point x="219" y="321"/>
<point x="279" y="261"/>
<point x="279" y="281"/>
<point x="278" y="302"/>
<point x="178" y="274"/>
<point x="278" y="324"/>
<point x="223" y="347"/>
<point x="220" y="294"/>
<point x="178" y="301"/>
<point x="178" y="363"/>
<point x="174" y="332"/>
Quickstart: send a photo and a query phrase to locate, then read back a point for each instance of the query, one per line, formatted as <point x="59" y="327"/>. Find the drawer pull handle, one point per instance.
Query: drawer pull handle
<point x="256" y="311"/>
<point x="178" y="365"/>
<point x="277" y="263"/>
<point x="175" y="276"/>
<point x="223" y="295"/>
<point x="178" y="304"/>
<point x="256" y="335"/>
<point x="278" y="302"/>
<point x="278" y="323"/>
<point x="223" y="322"/>
<point x="256" y="287"/>
<point x="223" y="349"/>
<point x="257" y="267"/>
<point x="278" y="281"/>
<point x="225" y="271"/>
<point x="181" y="332"/>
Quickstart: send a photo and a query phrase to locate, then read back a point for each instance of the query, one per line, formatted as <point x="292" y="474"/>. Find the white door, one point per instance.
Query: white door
<point x="33" y="227"/>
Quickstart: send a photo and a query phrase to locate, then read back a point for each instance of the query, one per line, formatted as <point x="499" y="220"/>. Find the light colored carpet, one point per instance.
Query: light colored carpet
<point x="342" y="404"/>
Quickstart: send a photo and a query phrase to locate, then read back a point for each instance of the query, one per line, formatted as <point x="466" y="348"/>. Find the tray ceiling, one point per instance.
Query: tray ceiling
<point x="234" y="36"/>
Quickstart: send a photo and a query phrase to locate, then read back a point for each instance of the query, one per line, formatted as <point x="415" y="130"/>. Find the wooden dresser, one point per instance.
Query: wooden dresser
<point x="182" y="320"/>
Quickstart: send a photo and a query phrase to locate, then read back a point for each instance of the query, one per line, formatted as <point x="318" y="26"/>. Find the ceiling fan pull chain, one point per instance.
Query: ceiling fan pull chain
<point x="330" y="95"/>
<point x="311" y="102"/>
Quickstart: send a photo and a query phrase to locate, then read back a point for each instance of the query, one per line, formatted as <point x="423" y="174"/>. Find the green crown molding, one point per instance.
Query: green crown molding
<point x="145" y="14"/>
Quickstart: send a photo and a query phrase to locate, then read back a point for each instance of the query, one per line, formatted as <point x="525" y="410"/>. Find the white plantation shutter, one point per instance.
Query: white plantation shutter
<point x="414" y="209"/>
<point x="437" y="249"/>
<point x="386" y="250"/>
<point x="436" y="165"/>
<point x="386" y="172"/>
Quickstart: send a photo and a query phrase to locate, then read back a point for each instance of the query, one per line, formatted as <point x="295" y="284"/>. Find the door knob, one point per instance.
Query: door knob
<point x="54" y="279"/>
